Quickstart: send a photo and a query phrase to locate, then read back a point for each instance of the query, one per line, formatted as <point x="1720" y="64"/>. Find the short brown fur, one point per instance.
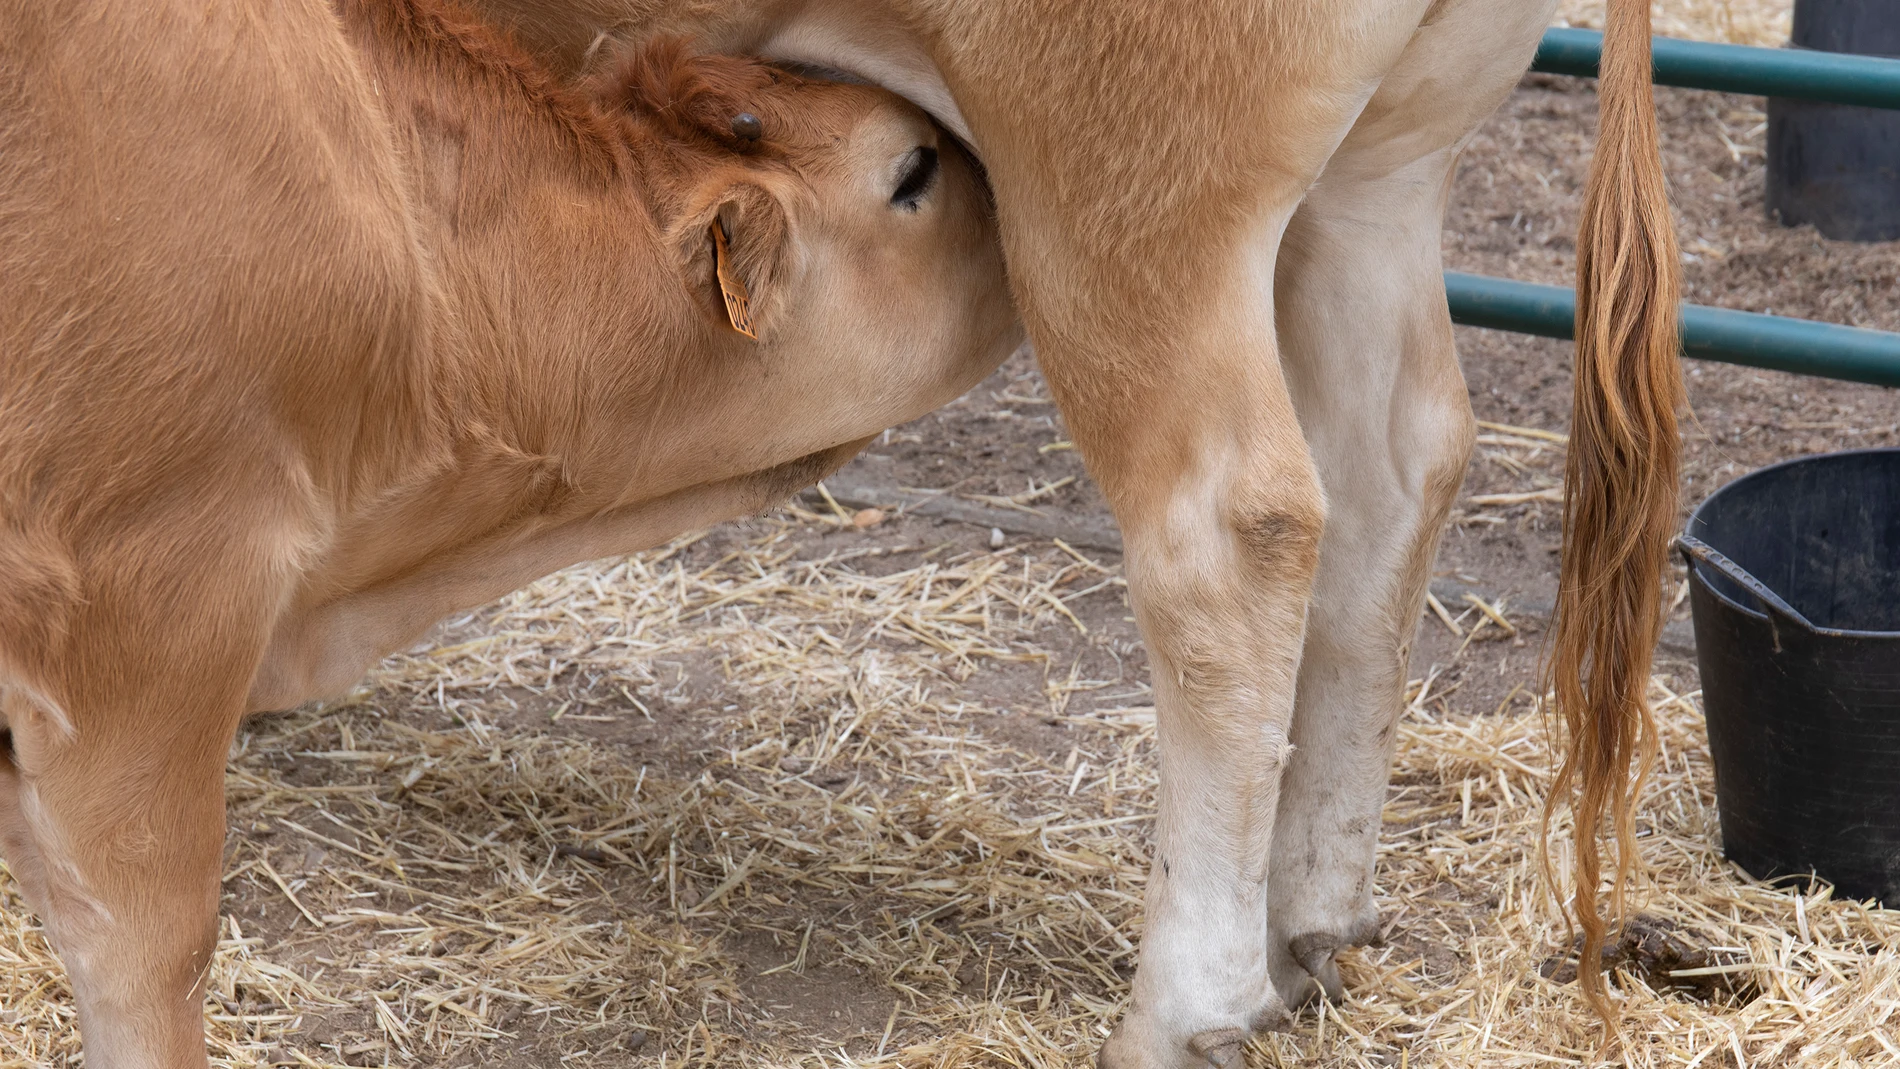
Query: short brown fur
<point x="317" y="323"/>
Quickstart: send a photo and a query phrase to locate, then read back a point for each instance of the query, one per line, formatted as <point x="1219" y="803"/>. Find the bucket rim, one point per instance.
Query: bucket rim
<point x="1797" y="619"/>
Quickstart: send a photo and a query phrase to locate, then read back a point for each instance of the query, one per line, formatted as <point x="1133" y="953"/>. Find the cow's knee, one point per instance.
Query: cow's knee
<point x="1279" y="532"/>
<point x="1435" y="423"/>
<point x="1221" y="584"/>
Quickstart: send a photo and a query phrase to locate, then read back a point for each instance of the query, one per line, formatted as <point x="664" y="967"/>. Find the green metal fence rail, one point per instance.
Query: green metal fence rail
<point x="1798" y="345"/>
<point x="1746" y="338"/>
<point x="1801" y="74"/>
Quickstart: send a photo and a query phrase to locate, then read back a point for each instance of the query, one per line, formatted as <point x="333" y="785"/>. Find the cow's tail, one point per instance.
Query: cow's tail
<point x="1619" y="482"/>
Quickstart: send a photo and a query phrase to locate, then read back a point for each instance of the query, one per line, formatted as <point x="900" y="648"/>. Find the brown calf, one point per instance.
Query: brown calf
<point x="319" y="322"/>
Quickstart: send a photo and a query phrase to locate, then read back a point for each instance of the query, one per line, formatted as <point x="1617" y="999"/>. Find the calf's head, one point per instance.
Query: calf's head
<point x="834" y="222"/>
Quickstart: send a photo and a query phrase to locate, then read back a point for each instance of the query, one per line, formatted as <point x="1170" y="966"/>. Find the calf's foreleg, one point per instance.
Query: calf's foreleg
<point x="116" y="837"/>
<point x="112" y="809"/>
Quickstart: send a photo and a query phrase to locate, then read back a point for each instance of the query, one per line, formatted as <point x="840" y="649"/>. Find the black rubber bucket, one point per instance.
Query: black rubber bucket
<point x="1795" y="586"/>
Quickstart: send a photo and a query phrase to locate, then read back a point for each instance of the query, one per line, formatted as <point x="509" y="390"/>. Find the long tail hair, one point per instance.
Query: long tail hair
<point x="1620" y="481"/>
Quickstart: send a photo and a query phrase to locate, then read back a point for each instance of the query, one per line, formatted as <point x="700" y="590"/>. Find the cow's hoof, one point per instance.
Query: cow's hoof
<point x="1136" y="1044"/>
<point x="1314" y="951"/>
<point x="1308" y="969"/>
<point x="1221" y="1047"/>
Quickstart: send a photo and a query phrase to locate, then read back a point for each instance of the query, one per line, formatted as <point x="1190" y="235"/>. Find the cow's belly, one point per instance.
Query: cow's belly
<point x="867" y="40"/>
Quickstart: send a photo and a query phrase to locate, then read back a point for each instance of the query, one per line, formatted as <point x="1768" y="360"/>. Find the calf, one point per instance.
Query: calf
<point x="318" y="322"/>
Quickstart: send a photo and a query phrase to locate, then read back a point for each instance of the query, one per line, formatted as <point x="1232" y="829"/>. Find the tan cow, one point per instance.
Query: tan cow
<point x="1222" y="225"/>
<point x="318" y="322"/>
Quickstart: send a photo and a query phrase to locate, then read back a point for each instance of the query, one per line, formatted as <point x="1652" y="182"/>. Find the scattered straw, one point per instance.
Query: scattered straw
<point x="832" y="821"/>
<point x="1742" y="22"/>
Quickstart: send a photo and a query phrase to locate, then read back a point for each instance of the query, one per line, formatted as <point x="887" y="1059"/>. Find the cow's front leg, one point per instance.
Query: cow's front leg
<point x="1221" y="563"/>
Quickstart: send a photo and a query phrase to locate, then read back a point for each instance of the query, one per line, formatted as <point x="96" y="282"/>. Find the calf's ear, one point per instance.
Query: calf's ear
<point x="732" y="244"/>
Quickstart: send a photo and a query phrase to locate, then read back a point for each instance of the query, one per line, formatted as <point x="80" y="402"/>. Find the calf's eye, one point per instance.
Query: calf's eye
<point x="920" y="173"/>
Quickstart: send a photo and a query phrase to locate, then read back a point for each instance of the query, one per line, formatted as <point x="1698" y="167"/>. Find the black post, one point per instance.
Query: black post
<point x="1833" y="166"/>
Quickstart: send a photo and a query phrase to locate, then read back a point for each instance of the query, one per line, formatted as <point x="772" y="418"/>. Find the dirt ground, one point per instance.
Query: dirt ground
<point x="802" y="792"/>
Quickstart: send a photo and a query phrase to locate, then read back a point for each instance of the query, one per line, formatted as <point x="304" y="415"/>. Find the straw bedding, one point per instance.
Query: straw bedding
<point x="1742" y="22"/>
<point x="855" y="862"/>
<point x="794" y="793"/>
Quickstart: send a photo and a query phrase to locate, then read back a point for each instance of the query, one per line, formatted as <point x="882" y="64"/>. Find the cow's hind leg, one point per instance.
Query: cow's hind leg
<point x="1141" y="229"/>
<point x="1222" y="514"/>
<point x="1366" y="341"/>
<point x="1384" y="408"/>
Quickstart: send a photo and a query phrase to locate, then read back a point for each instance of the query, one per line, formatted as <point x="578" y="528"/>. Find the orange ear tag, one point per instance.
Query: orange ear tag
<point x="738" y="302"/>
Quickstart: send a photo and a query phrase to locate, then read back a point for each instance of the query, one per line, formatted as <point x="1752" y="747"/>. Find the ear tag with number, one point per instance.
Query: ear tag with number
<point x="738" y="302"/>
